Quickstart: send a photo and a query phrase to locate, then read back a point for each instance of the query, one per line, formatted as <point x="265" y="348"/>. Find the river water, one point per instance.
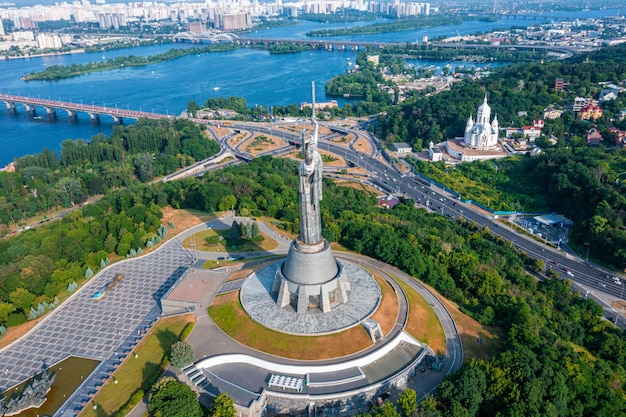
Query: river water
<point x="167" y="87"/>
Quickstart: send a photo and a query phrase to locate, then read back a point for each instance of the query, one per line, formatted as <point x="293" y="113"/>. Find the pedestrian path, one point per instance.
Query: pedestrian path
<point x="105" y="329"/>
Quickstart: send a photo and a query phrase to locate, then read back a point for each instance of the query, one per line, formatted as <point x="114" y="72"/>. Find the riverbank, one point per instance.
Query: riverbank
<point x="73" y="51"/>
<point x="57" y="72"/>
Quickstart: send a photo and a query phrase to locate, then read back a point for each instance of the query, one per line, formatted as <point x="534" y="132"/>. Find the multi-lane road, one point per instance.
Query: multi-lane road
<point x="587" y="278"/>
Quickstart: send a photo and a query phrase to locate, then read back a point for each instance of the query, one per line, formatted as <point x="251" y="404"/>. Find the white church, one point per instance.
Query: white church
<point x="480" y="141"/>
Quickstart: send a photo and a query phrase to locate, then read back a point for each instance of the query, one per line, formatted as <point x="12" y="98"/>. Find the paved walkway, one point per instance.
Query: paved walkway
<point x="105" y="329"/>
<point x="108" y="329"/>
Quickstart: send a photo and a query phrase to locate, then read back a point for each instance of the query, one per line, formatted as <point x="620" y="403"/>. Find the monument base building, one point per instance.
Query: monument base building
<point x="310" y="278"/>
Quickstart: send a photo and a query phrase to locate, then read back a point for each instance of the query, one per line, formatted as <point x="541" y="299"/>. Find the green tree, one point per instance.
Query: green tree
<point x="408" y="402"/>
<point x="235" y="231"/>
<point x="386" y="410"/>
<point x="22" y="299"/>
<point x="144" y="166"/>
<point x="223" y="406"/>
<point x="182" y="354"/>
<point x="5" y="310"/>
<point x="171" y="398"/>
<point x="192" y="108"/>
<point x="227" y="203"/>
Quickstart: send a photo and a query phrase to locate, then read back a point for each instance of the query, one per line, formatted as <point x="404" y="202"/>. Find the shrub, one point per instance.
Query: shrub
<point x="182" y="354"/>
<point x="187" y="331"/>
<point x="15" y="319"/>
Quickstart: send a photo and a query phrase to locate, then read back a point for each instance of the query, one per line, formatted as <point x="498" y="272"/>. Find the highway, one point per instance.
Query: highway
<point x="586" y="278"/>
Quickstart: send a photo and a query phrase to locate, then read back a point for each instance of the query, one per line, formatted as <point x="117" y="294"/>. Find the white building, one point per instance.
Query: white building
<point x="480" y="141"/>
<point x="482" y="134"/>
<point x="48" y="41"/>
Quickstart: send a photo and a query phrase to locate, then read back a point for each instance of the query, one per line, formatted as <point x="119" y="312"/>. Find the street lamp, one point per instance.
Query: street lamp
<point x="616" y="316"/>
<point x="588" y="246"/>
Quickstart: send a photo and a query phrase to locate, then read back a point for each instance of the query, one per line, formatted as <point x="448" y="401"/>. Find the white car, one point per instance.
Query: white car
<point x="616" y="280"/>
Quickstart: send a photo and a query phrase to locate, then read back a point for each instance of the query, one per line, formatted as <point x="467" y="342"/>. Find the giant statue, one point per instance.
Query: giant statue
<point x="310" y="186"/>
<point x="310" y="279"/>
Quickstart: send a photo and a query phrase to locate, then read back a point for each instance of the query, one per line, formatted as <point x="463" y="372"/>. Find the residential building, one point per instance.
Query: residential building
<point x="388" y="201"/>
<point x="582" y="102"/>
<point x="591" y="111"/>
<point x="560" y="84"/>
<point x="594" y="137"/>
<point x="551" y="113"/>
<point x="619" y="136"/>
<point x="608" y="94"/>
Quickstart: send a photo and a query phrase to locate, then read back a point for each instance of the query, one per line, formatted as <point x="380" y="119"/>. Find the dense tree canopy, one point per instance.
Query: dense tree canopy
<point x="170" y="398"/>
<point x="143" y="151"/>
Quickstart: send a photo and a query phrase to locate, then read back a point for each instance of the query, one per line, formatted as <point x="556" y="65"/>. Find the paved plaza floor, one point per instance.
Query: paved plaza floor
<point x="103" y="329"/>
<point x="259" y="303"/>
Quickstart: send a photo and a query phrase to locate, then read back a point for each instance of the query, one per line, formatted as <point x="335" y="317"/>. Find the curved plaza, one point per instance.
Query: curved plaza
<point x="108" y="329"/>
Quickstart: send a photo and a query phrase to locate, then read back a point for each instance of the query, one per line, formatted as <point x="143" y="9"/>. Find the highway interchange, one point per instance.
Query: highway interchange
<point x="588" y="279"/>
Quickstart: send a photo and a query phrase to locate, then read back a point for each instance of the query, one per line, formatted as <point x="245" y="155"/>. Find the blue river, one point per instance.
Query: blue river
<point x="167" y="87"/>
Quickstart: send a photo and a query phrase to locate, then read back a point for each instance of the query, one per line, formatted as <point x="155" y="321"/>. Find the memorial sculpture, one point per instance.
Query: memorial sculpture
<point x="33" y="395"/>
<point x="310" y="279"/>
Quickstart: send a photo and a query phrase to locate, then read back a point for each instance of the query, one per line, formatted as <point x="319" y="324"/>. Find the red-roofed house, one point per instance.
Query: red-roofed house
<point x="619" y="135"/>
<point x="388" y="201"/>
<point x="594" y="137"/>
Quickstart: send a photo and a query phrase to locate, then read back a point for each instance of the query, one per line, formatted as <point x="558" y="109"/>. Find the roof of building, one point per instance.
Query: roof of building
<point x="458" y="145"/>
<point x="553" y="218"/>
<point x="388" y="201"/>
<point x="399" y="145"/>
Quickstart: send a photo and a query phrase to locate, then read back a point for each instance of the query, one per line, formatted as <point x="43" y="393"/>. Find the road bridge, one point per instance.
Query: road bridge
<point x="315" y="43"/>
<point x="51" y="107"/>
<point x="319" y="43"/>
<point x="210" y="37"/>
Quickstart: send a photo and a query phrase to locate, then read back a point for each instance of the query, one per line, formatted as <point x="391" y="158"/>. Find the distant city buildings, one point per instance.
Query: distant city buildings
<point x="48" y="41"/>
<point x="233" y="21"/>
<point x="400" y="9"/>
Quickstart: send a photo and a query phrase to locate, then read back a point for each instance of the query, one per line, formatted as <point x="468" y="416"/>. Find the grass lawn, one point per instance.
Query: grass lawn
<point x="210" y="264"/>
<point x="244" y="245"/>
<point x="227" y="312"/>
<point x="423" y="323"/>
<point x="387" y="311"/>
<point x="137" y="372"/>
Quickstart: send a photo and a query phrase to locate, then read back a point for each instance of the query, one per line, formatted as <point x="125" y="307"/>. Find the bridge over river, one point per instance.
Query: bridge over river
<point x="331" y="44"/>
<point x="51" y="107"/>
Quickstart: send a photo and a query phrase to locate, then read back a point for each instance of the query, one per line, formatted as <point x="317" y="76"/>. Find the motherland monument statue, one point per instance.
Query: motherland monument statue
<point x="310" y="279"/>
